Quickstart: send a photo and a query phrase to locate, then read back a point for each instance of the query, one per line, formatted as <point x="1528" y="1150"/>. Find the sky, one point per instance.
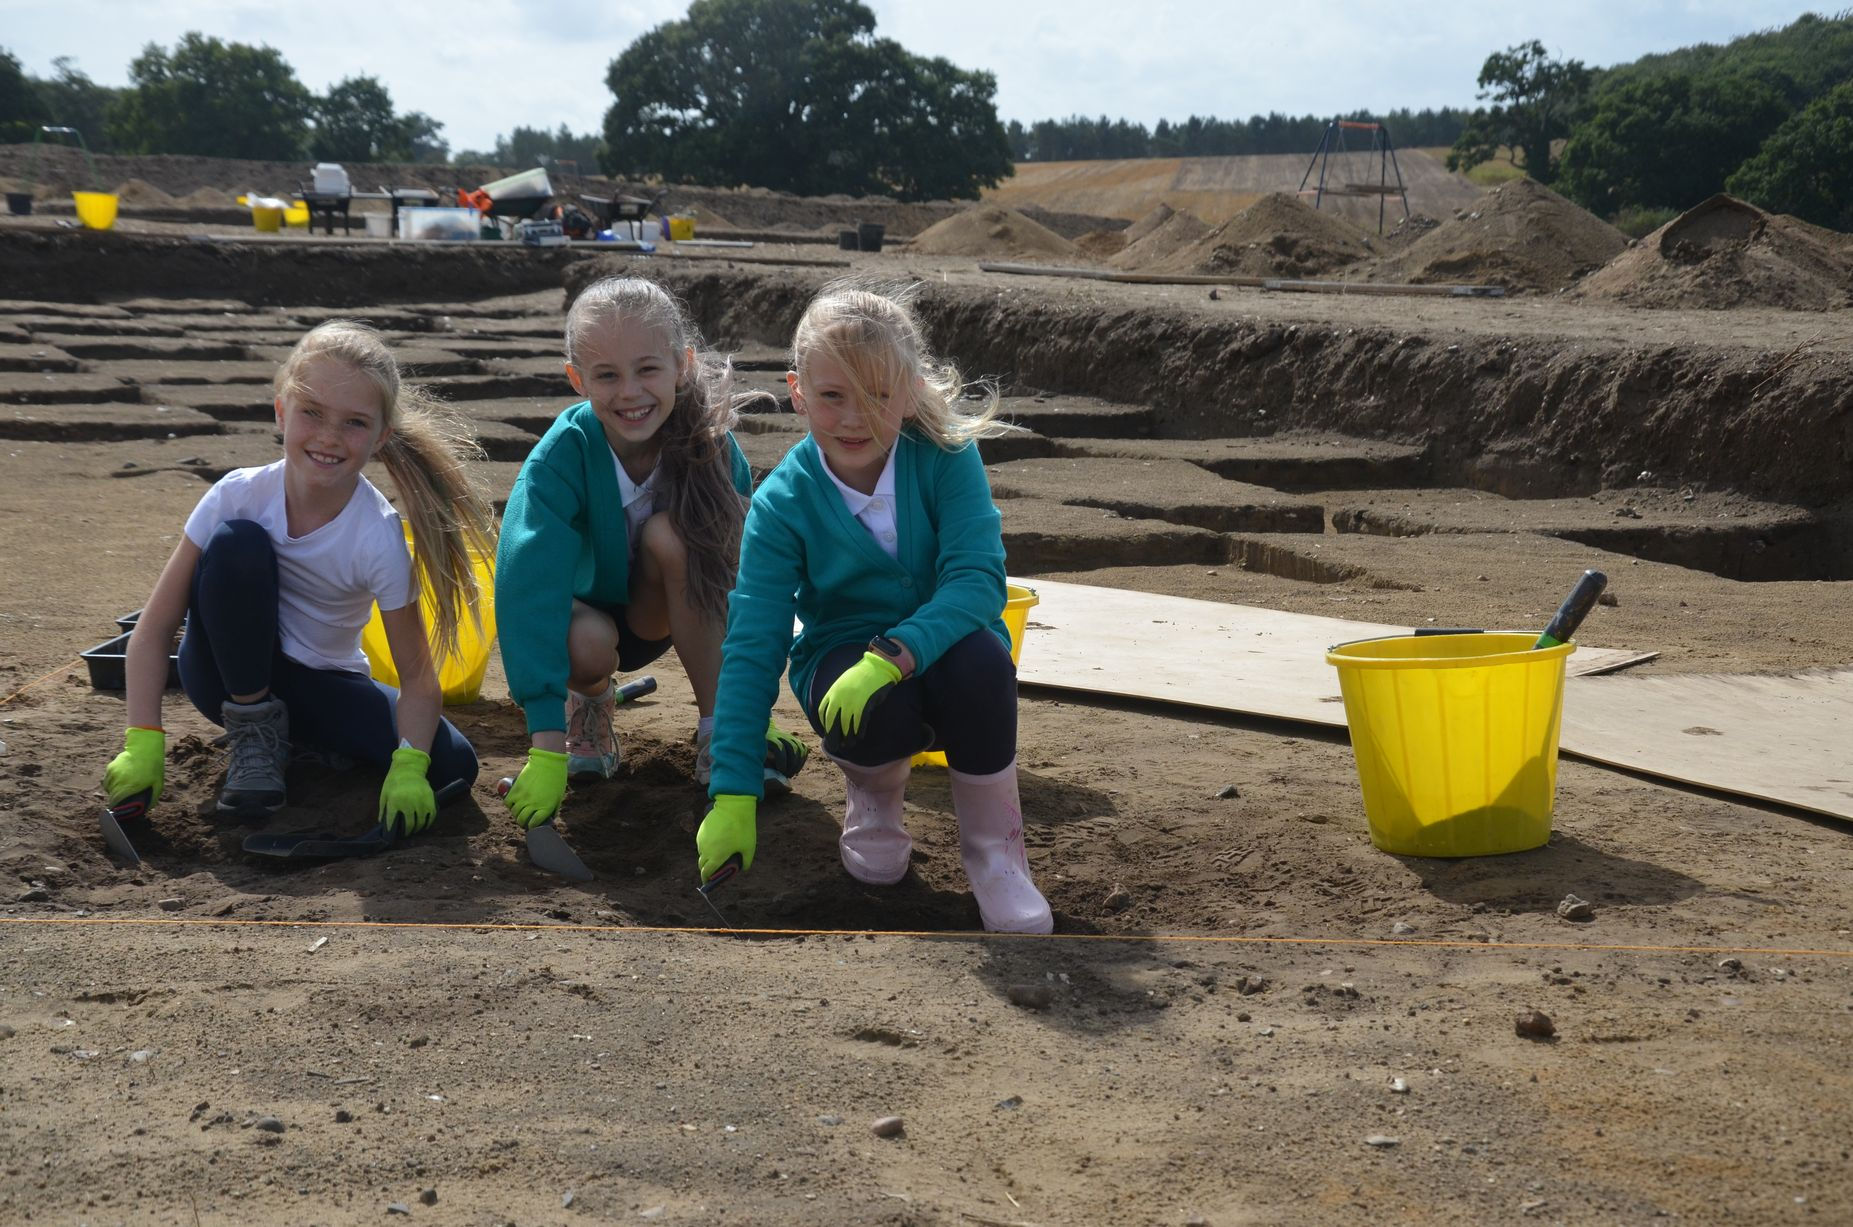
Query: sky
<point x="483" y="67"/>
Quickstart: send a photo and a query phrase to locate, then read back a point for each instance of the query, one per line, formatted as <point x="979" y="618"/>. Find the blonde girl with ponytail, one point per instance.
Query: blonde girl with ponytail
<point x="278" y="571"/>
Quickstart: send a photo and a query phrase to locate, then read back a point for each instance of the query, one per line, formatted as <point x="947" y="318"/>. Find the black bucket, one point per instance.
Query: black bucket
<point x="19" y="203"/>
<point x="868" y="235"/>
<point x="846" y="240"/>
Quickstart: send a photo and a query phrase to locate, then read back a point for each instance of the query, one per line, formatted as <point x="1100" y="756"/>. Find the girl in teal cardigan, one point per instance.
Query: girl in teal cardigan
<point x="878" y="532"/>
<point x="620" y="539"/>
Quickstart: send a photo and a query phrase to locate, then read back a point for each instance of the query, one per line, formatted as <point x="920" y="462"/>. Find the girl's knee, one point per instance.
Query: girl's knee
<point x="239" y="543"/>
<point x="660" y="541"/>
<point x="591" y="643"/>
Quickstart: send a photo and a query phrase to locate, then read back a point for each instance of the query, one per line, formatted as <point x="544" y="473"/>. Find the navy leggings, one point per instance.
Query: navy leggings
<point x="231" y="647"/>
<point x="965" y="705"/>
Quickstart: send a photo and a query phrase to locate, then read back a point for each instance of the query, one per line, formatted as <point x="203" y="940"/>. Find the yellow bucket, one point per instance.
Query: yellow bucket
<point x="297" y="214"/>
<point x="460" y="677"/>
<point x="266" y="219"/>
<point x="681" y="228"/>
<point x="1018" y="601"/>
<point x="1455" y="738"/>
<point x="97" y="210"/>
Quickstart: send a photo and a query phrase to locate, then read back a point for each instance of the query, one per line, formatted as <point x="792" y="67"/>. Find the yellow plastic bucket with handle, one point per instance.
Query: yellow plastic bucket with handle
<point x="267" y="219"/>
<point x="460" y="676"/>
<point x="1455" y="738"/>
<point x="1018" y="601"/>
<point x="297" y="214"/>
<point x="96" y="210"/>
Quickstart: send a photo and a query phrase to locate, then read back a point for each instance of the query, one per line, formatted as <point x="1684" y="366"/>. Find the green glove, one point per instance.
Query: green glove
<point x="539" y="789"/>
<point x="141" y="767"/>
<point x="407" y="804"/>
<point x="852" y="696"/>
<point x="729" y="829"/>
<point x="785" y="754"/>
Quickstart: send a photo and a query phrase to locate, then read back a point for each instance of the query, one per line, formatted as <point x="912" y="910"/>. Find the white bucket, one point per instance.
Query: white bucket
<point x="379" y="225"/>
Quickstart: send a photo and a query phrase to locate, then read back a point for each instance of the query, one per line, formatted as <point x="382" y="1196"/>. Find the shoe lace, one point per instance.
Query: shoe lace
<point x="256" y="749"/>
<point x="589" y="724"/>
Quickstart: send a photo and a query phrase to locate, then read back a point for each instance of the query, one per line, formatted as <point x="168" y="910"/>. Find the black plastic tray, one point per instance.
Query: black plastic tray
<point x="109" y="661"/>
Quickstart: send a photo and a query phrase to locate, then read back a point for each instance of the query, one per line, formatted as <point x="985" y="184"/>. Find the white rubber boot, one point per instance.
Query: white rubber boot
<point x="991" y="845"/>
<point x="875" y="843"/>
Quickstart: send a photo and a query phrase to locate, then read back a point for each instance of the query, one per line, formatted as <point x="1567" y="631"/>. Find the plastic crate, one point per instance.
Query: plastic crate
<point x="108" y="663"/>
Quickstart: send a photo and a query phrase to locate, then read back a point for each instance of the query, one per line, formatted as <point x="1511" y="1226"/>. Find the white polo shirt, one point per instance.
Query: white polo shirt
<point x="875" y="511"/>
<point x="639" y="500"/>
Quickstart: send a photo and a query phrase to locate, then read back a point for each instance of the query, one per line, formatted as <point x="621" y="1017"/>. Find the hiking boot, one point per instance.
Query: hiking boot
<point x="259" y="737"/>
<point x="591" y="741"/>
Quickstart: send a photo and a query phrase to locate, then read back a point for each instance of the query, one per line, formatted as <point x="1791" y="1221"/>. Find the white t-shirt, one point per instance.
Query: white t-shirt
<point x="639" y="500"/>
<point x="875" y="511"/>
<point x="328" y="580"/>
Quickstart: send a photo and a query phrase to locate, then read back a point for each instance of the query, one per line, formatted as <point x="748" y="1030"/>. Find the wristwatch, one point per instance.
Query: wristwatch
<point x="891" y="651"/>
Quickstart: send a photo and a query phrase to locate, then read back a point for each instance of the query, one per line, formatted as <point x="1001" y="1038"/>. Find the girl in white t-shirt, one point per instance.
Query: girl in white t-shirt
<point x="278" y="572"/>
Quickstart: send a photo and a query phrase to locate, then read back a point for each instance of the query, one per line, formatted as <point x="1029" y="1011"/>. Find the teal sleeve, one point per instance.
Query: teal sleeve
<point x="758" y="644"/>
<point x="968" y="592"/>
<point x="742" y="471"/>
<point x="534" y="564"/>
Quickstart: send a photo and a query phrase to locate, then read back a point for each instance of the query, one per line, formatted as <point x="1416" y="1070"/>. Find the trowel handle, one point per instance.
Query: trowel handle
<point x="1574" y="609"/>
<point x="728" y="869"/>
<point x="130" y="808"/>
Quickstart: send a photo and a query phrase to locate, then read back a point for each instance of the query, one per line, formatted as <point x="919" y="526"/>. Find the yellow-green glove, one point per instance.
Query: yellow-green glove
<point x="730" y="829"/>
<point x="539" y="788"/>
<point x="851" y="697"/>
<point x="785" y="754"/>
<point x="407" y="804"/>
<point x="141" y="767"/>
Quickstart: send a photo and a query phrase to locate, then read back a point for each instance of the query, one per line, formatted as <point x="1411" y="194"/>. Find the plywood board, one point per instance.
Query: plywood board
<point x="1203" y="653"/>
<point x="1785" y="739"/>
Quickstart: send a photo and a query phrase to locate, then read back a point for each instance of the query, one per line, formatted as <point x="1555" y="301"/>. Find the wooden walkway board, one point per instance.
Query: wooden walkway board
<point x="1787" y="740"/>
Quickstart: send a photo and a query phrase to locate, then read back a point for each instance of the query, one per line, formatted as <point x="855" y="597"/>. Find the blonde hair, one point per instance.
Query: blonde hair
<point x="425" y="452"/>
<point x="695" y="465"/>
<point x="873" y="334"/>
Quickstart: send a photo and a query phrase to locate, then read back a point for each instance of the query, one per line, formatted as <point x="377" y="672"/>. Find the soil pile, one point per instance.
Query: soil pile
<point x="1279" y="235"/>
<point x="207" y="198"/>
<point x="1150" y="222"/>
<point x="1520" y="235"/>
<point x="993" y="232"/>
<point x="1101" y="244"/>
<point x="1158" y="249"/>
<point x="1728" y="253"/>
<point x="140" y="194"/>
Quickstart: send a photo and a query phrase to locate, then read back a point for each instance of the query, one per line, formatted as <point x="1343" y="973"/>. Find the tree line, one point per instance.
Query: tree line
<point x="1080" y="139"/>
<point x="1768" y="117"/>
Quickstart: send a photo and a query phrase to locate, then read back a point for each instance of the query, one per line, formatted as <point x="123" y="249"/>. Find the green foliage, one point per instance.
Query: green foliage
<point x="1806" y="166"/>
<point x="1805" y="58"/>
<point x="799" y="95"/>
<point x="1535" y="101"/>
<point x="1667" y="141"/>
<point x="1637" y="222"/>
<point x="213" y="99"/>
<point x="22" y="107"/>
<point x="1079" y="138"/>
<point x="75" y="101"/>
<point x="354" y="122"/>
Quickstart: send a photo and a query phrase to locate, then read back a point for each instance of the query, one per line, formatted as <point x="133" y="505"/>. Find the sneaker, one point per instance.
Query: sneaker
<point x="259" y="736"/>
<point x="591" y="742"/>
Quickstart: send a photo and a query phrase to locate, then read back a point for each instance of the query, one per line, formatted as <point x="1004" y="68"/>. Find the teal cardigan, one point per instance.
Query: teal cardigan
<point x="563" y="537"/>
<point x="804" y="554"/>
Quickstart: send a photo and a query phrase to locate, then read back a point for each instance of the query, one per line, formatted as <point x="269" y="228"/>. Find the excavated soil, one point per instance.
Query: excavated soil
<point x="993" y="233"/>
<point x="1178" y="231"/>
<point x="1728" y="253"/>
<point x="1519" y="235"/>
<point x="1248" y="1014"/>
<point x="1279" y="235"/>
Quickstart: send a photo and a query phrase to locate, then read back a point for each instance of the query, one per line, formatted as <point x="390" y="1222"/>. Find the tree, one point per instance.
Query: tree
<point x="801" y="96"/>
<point x="213" y="99"/>
<point x="75" y="101"/>
<point x="22" y="107"/>
<point x="1806" y="165"/>
<point x="424" y="138"/>
<point x="354" y="122"/>
<point x="1535" y="100"/>
<point x="1667" y="141"/>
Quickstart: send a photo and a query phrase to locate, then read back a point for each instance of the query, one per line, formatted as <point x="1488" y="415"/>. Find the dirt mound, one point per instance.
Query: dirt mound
<point x="1150" y="222"/>
<point x="1520" y="235"/>
<point x="1157" y="251"/>
<point x="1279" y="235"/>
<point x="1727" y="253"/>
<point x="139" y="193"/>
<point x="992" y="231"/>
<point x="207" y="198"/>
<point x="1409" y="229"/>
<point x="1101" y="244"/>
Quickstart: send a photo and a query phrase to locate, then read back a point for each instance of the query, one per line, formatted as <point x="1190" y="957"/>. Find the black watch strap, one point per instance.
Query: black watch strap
<point x="888" y="649"/>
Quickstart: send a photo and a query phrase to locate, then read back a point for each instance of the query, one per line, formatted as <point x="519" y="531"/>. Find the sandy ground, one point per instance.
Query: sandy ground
<point x="1248" y="1014"/>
